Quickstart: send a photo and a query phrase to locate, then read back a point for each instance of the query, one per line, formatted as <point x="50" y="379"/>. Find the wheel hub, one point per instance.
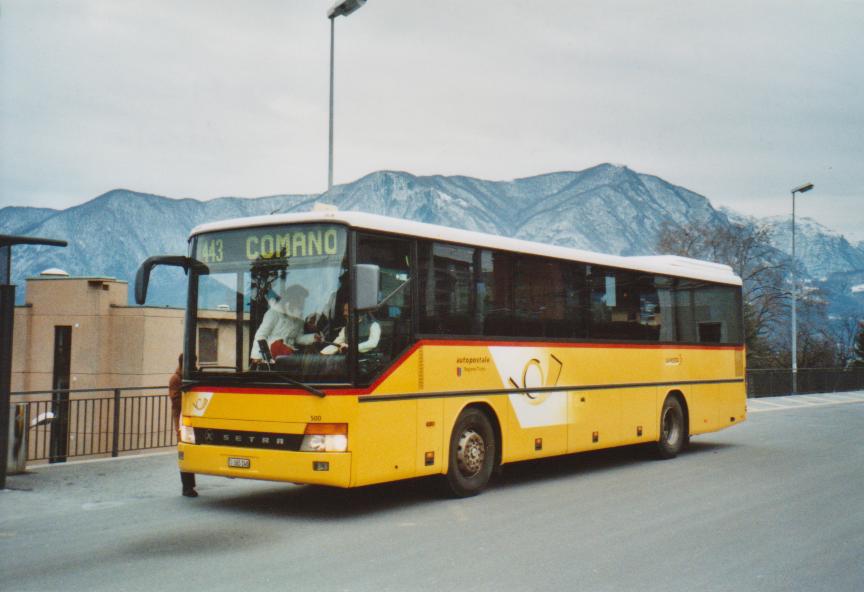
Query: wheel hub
<point x="471" y="452"/>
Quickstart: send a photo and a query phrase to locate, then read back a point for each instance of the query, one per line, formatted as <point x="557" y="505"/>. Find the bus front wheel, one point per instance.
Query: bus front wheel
<point x="672" y="429"/>
<point x="472" y="454"/>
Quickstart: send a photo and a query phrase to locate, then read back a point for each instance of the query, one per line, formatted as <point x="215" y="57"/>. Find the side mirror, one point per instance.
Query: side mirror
<point x="366" y="280"/>
<point x="142" y="278"/>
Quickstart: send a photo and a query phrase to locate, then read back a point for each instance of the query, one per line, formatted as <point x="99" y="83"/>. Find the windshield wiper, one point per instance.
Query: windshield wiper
<point x="298" y="384"/>
<point x="291" y="381"/>
<point x="284" y="377"/>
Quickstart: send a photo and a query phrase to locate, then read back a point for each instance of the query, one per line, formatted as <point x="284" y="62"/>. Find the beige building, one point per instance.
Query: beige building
<point x="81" y="330"/>
<point x="80" y="333"/>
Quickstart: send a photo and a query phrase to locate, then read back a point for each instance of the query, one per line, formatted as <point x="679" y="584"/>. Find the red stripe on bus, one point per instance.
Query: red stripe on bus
<point x="579" y="345"/>
<point x="348" y="391"/>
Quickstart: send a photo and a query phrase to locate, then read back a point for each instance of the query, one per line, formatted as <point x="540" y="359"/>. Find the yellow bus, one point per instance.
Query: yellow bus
<point x="346" y="349"/>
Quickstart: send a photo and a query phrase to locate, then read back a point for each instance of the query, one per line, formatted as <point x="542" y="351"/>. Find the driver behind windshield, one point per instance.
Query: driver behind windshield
<point x="369" y="333"/>
<point x="282" y="325"/>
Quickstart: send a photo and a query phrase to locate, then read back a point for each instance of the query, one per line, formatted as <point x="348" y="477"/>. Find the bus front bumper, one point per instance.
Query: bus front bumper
<point x="320" y="468"/>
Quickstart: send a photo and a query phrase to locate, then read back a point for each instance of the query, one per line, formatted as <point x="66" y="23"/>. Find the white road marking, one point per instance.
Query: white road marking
<point x="799" y="401"/>
<point x="760" y="402"/>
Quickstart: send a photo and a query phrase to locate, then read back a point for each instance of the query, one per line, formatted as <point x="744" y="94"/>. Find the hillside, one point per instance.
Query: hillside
<point x="605" y="208"/>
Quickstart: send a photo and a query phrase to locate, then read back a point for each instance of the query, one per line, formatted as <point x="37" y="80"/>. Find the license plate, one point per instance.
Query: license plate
<point x="238" y="463"/>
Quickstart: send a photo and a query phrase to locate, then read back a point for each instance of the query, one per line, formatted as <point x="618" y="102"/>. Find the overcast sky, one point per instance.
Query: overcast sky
<point x="737" y="100"/>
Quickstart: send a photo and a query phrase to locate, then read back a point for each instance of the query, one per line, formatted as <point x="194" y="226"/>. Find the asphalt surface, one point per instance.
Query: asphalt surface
<point x="776" y="503"/>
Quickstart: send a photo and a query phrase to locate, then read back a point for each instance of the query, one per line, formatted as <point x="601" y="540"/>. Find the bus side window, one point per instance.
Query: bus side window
<point x="447" y="278"/>
<point x="715" y="309"/>
<point x="706" y="313"/>
<point x="393" y="257"/>
<point x="540" y="298"/>
<point x="624" y="305"/>
<point x="665" y="312"/>
<point x="685" y="308"/>
<point x="495" y="293"/>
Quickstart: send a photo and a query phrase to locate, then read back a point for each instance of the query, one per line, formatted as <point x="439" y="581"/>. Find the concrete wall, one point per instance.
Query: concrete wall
<point x="112" y="344"/>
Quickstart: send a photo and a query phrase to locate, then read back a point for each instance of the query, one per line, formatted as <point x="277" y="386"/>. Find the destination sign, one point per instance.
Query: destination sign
<point x="270" y="244"/>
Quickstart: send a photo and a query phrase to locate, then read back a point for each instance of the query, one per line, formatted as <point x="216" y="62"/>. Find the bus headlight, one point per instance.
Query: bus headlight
<point x="325" y="437"/>
<point x="187" y="432"/>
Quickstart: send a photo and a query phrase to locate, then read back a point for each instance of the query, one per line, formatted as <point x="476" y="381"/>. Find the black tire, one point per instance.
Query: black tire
<point x="673" y="429"/>
<point x="473" y="450"/>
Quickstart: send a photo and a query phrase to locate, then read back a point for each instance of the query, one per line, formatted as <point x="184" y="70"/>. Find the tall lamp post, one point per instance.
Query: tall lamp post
<point x="801" y="189"/>
<point x="341" y="8"/>
<point x="7" y="318"/>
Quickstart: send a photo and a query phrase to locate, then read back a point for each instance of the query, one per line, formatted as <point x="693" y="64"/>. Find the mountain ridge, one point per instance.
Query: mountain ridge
<point x="605" y="208"/>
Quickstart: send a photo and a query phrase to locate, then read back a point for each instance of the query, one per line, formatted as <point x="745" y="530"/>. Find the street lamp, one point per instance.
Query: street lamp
<point x="341" y="8"/>
<point x="800" y="189"/>
<point x="7" y="320"/>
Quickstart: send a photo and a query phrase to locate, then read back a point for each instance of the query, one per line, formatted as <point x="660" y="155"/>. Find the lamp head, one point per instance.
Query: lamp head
<point x="803" y="188"/>
<point x="344" y="8"/>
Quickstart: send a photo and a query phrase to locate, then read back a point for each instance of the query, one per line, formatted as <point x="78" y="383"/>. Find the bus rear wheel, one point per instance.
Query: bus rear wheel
<point x="472" y="454"/>
<point x="673" y="434"/>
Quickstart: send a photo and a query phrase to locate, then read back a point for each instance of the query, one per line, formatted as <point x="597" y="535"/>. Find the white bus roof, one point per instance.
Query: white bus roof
<point x="660" y="264"/>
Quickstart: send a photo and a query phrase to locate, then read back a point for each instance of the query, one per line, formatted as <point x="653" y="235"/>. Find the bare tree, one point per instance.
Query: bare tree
<point x="747" y="249"/>
<point x="847" y="332"/>
<point x="859" y="346"/>
<point x="817" y="344"/>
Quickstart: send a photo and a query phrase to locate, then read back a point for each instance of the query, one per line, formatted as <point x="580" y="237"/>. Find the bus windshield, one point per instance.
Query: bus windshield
<point x="270" y="303"/>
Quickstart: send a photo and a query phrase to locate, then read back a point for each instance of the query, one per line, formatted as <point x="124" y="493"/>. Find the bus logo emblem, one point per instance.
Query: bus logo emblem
<point x="532" y="377"/>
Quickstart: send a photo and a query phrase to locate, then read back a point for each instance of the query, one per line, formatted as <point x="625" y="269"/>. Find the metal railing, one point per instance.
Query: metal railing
<point x="108" y="421"/>
<point x="113" y="421"/>
<point x="778" y="381"/>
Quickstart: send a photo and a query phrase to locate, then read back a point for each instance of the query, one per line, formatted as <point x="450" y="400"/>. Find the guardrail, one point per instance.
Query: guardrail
<point x="108" y="421"/>
<point x="778" y="381"/>
<point x="113" y="421"/>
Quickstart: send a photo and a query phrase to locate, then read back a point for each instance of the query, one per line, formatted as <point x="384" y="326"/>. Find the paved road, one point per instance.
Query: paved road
<point x="776" y="503"/>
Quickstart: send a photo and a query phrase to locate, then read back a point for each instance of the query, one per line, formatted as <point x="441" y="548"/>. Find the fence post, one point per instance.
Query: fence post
<point x="115" y="443"/>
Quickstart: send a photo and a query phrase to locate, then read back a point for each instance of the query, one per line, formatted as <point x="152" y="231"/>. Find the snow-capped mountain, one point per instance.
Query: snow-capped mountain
<point x="820" y="250"/>
<point x="605" y="208"/>
<point x="112" y="234"/>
